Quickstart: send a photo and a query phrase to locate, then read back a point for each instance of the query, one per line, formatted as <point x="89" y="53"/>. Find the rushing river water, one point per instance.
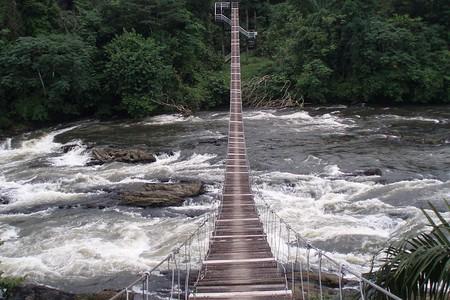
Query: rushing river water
<point x="306" y="163"/>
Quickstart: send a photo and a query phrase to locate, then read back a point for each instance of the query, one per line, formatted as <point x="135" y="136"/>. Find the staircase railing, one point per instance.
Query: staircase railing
<point x="248" y="34"/>
<point x="220" y="17"/>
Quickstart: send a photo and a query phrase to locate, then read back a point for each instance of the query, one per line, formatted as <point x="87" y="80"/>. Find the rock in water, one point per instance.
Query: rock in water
<point x="4" y="200"/>
<point x="372" y="172"/>
<point x="70" y="147"/>
<point x="162" y="194"/>
<point x="105" y="155"/>
<point x="368" y="172"/>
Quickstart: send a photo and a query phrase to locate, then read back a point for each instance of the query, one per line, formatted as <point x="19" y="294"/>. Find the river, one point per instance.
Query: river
<point x="308" y="164"/>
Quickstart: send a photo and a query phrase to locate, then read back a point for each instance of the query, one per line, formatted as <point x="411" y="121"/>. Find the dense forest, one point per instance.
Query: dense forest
<point x="66" y="59"/>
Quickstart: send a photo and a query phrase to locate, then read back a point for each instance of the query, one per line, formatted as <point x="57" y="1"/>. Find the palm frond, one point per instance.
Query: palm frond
<point x="417" y="267"/>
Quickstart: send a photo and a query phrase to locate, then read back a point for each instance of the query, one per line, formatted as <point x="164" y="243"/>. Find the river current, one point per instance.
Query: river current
<point x="308" y="164"/>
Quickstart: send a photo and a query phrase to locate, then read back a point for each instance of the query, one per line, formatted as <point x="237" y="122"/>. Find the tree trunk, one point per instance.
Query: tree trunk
<point x="247" y="21"/>
<point x="12" y="19"/>
<point x="42" y="83"/>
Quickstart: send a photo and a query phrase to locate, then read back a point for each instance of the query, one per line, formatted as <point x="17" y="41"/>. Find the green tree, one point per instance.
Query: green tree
<point x="138" y="73"/>
<point x="47" y="77"/>
<point x="352" y="51"/>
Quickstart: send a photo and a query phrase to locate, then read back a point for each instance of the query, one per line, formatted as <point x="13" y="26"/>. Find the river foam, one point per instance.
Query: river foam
<point x="170" y="119"/>
<point x="6" y="145"/>
<point x="416" y="119"/>
<point x="77" y="156"/>
<point x="350" y="219"/>
<point x="86" y="244"/>
<point x="41" y="145"/>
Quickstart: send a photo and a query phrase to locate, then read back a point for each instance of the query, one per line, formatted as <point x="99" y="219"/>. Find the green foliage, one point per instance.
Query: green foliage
<point x="216" y="88"/>
<point x="73" y="58"/>
<point x="403" y="60"/>
<point x="46" y="76"/>
<point x="418" y="267"/>
<point x="351" y="51"/>
<point x="313" y="80"/>
<point x="252" y="66"/>
<point x="137" y="73"/>
<point x="9" y="283"/>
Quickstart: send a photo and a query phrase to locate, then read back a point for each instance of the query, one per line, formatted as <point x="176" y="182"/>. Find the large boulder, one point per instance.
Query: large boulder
<point x="161" y="194"/>
<point x="105" y="155"/>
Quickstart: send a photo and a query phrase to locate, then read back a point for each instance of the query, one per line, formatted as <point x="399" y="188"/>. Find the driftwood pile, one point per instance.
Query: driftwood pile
<point x="266" y="92"/>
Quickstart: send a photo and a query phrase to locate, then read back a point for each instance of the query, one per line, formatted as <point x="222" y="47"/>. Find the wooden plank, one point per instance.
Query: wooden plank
<point x="244" y="295"/>
<point x="242" y="288"/>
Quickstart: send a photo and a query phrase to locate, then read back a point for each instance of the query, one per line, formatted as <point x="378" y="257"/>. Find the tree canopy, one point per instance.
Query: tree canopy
<point x="65" y="59"/>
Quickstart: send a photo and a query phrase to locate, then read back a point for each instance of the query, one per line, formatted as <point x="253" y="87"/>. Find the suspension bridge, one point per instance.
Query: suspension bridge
<point x="243" y="249"/>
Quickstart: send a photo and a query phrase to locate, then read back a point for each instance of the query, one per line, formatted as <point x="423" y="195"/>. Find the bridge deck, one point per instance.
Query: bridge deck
<point x="240" y="264"/>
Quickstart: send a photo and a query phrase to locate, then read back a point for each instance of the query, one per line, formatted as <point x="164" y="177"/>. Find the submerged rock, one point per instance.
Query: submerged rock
<point x="69" y="147"/>
<point x="105" y="155"/>
<point x="4" y="200"/>
<point x="162" y="194"/>
<point x="368" y="172"/>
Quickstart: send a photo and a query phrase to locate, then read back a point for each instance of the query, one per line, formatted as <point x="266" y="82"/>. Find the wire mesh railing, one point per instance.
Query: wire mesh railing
<point x="312" y="273"/>
<point x="173" y="276"/>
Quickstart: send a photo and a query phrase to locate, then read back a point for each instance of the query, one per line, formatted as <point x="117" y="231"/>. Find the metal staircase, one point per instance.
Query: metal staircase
<point x="220" y="9"/>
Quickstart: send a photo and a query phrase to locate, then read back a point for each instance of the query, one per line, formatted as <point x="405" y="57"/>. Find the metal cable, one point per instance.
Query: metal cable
<point x="301" y="274"/>
<point x="307" y="271"/>
<point x="173" y="279"/>
<point x="320" y="275"/>
<point x="327" y="257"/>
<point x="341" y="274"/>
<point x="361" y="288"/>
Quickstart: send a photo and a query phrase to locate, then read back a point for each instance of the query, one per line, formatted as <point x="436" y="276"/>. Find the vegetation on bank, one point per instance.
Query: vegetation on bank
<point x="66" y="59"/>
<point x="418" y="267"/>
<point x="8" y="284"/>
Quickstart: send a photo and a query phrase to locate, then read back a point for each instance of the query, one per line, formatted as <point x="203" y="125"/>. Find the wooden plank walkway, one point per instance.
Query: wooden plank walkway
<point x="240" y="264"/>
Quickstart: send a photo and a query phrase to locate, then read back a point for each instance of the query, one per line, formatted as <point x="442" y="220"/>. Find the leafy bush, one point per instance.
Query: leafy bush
<point x="418" y="267"/>
<point x="46" y="77"/>
<point x="137" y="73"/>
<point x="9" y="283"/>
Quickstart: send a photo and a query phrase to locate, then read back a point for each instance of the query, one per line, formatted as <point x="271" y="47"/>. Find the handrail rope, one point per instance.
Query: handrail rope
<point x="309" y="246"/>
<point x="174" y="251"/>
